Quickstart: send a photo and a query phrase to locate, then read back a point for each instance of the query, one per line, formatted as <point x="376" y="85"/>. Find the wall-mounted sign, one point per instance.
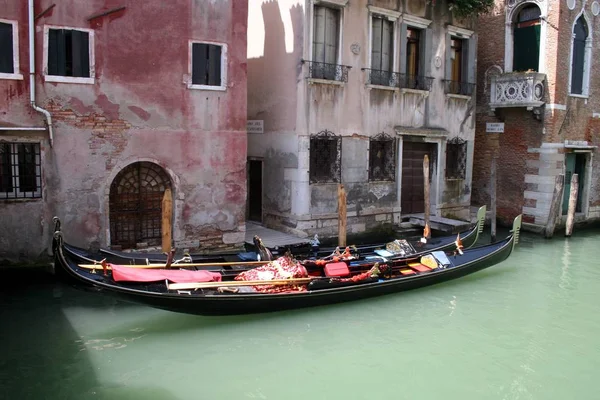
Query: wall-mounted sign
<point x="576" y="143"/>
<point x="255" y="126"/>
<point x="494" y="127"/>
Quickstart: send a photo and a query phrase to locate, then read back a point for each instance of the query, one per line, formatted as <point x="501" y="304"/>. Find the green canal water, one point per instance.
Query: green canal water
<point x="528" y="328"/>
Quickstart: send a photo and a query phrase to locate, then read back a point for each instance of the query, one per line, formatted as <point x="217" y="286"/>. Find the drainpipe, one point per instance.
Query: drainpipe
<point x="32" y="75"/>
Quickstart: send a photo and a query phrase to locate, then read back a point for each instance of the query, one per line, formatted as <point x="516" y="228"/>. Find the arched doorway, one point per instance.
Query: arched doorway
<point x="135" y="205"/>
<point x="526" y="39"/>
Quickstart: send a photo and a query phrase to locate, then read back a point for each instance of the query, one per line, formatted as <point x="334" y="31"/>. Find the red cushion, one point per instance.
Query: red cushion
<point x="337" y="269"/>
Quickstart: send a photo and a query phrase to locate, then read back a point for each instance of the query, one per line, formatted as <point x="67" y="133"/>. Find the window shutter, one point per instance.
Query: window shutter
<point x="425" y="59"/>
<point x="214" y="65"/>
<point x="6" y="49"/>
<point x="471" y="65"/>
<point x="331" y="35"/>
<point x="448" y="63"/>
<point x="386" y="45"/>
<point x="319" y="34"/>
<point x="376" y="44"/>
<point x="403" y="43"/>
<point x="56" y="52"/>
<point x="80" y="53"/>
<point x="199" y="61"/>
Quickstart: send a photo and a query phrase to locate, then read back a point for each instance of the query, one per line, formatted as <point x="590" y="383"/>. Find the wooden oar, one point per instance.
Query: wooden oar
<point x="184" y="265"/>
<point x="208" y="285"/>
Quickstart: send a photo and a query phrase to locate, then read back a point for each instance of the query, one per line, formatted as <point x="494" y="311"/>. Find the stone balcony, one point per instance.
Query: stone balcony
<point x="517" y="89"/>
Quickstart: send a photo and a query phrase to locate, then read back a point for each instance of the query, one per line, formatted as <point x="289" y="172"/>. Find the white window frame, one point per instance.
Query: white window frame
<point x="393" y="16"/>
<point x="70" y="79"/>
<point x="587" y="58"/>
<point x="15" y="33"/>
<point x="224" y="58"/>
<point x="15" y="194"/>
<point x="341" y="5"/>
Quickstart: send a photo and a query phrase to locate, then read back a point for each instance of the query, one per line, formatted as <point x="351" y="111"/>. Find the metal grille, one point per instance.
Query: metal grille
<point x="396" y="79"/>
<point x="325" y="157"/>
<point x="332" y="72"/>
<point x="458" y="87"/>
<point x="382" y="158"/>
<point x="136" y="205"/>
<point x="456" y="158"/>
<point x="20" y="171"/>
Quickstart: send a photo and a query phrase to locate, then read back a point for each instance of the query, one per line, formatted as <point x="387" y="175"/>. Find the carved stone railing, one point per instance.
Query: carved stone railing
<point x="517" y="89"/>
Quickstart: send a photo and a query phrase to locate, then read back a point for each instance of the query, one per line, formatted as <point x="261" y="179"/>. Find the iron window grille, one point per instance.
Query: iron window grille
<point x="456" y="158"/>
<point x="325" y="158"/>
<point x="20" y="170"/>
<point x="332" y="72"/>
<point x="382" y="158"/>
<point x="396" y="79"/>
<point x="459" y="87"/>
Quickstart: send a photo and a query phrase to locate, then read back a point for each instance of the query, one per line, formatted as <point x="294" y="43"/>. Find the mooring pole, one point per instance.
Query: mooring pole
<point x="559" y="183"/>
<point x="167" y="217"/>
<point x="572" y="204"/>
<point x="493" y="200"/>
<point x="341" y="216"/>
<point x="426" y="193"/>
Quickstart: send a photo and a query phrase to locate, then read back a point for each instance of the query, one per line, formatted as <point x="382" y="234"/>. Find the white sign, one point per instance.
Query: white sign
<point x="255" y="126"/>
<point x="494" y="127"/>
<point x="576" y="143"/>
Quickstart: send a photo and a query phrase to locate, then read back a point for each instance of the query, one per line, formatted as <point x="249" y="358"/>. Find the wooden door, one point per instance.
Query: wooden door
<point x="412" y="191"/>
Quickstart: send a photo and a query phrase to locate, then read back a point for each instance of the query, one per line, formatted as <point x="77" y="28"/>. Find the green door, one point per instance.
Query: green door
<point x="575" y="164"/>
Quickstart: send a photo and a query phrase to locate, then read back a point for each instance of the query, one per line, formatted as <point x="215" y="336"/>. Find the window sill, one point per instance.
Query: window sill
<point x="69" y="79"/>
<point x="19" y="199"/>
<point x="208" y="87"/>
<point x="424" y="93"/>
<point x="17" y="77"/>
<point x="312" y="81"/>
<point x="458" y="96"/>
<point x="580" y="96"/>
<point x="383" y="87"/>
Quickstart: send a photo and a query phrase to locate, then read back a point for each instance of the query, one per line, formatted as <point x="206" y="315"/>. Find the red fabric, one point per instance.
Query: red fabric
<point x="121" y="273"/>
<point x="419" y="267"/>
<point x="281" y="268"/>
<point x="337" y="269"/>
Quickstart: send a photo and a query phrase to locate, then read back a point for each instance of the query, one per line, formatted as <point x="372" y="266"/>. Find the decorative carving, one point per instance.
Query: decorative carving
<point x="517" y="90"/>
<point x="355" y="48"/>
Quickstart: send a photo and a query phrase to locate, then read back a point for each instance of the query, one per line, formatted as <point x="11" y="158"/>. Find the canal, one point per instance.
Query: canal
<point x="528" y="328"/>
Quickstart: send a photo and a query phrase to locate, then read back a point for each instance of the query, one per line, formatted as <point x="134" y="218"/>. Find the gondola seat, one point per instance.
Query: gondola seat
<point x="337" y="269"/>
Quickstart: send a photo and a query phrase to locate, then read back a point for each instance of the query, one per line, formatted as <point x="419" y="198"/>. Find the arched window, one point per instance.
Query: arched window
<point x="578" y="64"/>
<point x="135" y="205"/>
<point x="526" y="39"/>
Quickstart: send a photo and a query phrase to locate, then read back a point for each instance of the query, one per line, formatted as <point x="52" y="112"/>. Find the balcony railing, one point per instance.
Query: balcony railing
<point x="459" y="87"/>
<point x="396" y="79"/>
<point x="517" y="89"/>
<point x="331" y="72"/>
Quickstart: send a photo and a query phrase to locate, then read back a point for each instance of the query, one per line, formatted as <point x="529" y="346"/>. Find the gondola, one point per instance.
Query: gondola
<point x="227" y="296"/>
<point x="468" y="239"/>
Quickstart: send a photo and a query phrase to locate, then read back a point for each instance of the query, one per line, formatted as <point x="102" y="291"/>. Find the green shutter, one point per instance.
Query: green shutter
<point x="526" y="52"/>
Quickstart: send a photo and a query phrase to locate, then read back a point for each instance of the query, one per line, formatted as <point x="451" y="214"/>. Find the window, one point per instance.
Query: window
<point x="412" y="51"/>
<point x="461" y="47"/>
<point x="20" y="175"/>
<point x="326" y="34"/>
<point x="325" y="157"/>
<point x="382" y="158"/>
<point x="208" y="67"/>
<point x="579" y="63"/>
<point x="382" y="51"/>
<point x="69" y="56"/>
<point x="456" y="158"/>
<point x="9" y="50"/>
<point x="415" y="53"/>
<point x="526" y="55"/>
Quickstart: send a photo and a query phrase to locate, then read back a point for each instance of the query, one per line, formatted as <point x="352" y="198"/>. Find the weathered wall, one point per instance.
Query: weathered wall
<point x="293" y="108"/>
<point x="138" y="109"/>
<point x="531" y="152"/>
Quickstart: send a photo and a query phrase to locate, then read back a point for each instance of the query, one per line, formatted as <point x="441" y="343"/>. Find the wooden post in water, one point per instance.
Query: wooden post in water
<point x="427" y="235"/>
<point x="167" y="218"/>
<point x="493" y="199"/>
<point x="572" y="204"/>
<point x="341" y="216"/>
<point x="555" y="206"/>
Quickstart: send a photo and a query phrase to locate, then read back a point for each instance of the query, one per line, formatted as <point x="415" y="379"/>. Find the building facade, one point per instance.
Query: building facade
<point x="358" y="92"/>
<point x="108" y="104"/>
<point x="538" y="109"/>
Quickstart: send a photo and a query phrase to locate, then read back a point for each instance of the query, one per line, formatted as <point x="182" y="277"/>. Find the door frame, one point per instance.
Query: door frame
<point x="585" y="195"/>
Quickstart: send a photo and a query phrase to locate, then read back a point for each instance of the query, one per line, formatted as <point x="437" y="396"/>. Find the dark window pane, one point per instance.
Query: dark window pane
<point x="578" y="61"/>
<point x="206" y="64"/>
<point x="6" y="49"/>
<point x="27" y="157"/>
<point x="68" y="53"/>
<point x="80" y="56"/>
<point x="6" y="176"/>
<point x="214" y="65"/>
